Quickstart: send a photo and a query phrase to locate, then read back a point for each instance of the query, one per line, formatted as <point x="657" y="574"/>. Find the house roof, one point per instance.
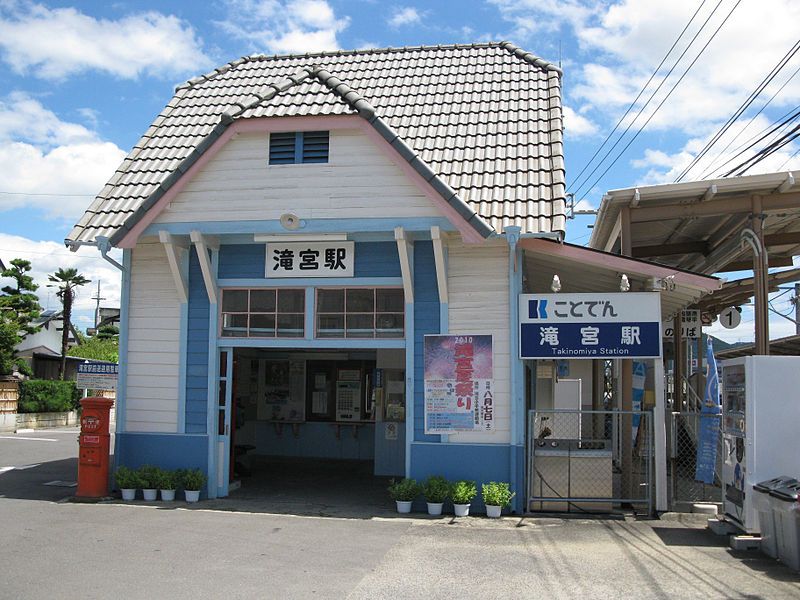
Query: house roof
<point x="482" y="123"/>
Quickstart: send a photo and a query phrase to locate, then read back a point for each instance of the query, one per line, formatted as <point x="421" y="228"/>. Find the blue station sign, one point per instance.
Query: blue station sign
<point x="603" y="325"/>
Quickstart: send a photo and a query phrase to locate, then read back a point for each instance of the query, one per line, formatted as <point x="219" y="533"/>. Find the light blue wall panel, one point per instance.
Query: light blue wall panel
<point x="196" y="350"/>
<point x="314" y="440"/>
<point x="167" y="450"/>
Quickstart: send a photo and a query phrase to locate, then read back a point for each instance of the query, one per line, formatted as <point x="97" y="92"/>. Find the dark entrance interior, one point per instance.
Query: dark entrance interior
<point x="317" y="432"/>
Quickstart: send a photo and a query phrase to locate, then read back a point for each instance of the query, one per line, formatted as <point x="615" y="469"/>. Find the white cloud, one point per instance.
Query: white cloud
<point x="404" y="16"/>
<point x="56" y="43"/>
<point x="576" y="125"/>
<point x="47" y="257"/>
<point x="40" y="154"/>
<point x="285" y="26"/>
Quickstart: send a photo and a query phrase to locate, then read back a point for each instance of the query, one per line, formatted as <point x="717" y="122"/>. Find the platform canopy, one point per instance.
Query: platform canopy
<point x="581" y="269"/>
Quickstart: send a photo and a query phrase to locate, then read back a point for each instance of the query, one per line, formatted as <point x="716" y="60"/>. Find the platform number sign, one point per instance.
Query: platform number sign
<point x="730" y="317"/>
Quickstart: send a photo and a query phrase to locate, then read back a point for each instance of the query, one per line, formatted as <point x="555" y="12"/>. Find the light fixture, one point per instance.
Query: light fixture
<point x="624" y="284"/>
<point x="556" y="285"/>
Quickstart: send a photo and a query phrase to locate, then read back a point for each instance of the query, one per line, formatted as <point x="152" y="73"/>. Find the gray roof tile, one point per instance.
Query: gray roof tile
<point x="484" y="120"/>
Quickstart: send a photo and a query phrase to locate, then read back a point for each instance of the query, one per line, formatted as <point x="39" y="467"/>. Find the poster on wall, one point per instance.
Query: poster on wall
<point x="459" y="383"/>
<point x="281" y="390"/>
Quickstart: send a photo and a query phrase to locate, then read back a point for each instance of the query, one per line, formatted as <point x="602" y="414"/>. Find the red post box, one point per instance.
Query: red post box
<point x="94" y="448"/>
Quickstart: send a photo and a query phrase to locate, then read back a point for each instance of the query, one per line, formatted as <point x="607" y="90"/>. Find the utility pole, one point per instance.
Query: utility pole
<point x="97" y="306"/>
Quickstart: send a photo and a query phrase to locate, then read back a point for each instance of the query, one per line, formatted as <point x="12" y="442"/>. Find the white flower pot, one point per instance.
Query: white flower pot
<point x="192" y="495"/>
<point x="168" y="495"/>
<point x="150" y="495"/>
<point x="128" y="493"/>
<point x="435" y="508"/>
<point x="493" y="512"/>
<point x="403" y="507"/>
<point x="462" y="510"/>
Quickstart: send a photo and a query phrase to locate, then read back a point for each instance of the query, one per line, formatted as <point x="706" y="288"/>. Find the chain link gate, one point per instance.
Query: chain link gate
<point x="577" y="460"/>
<point x="683" y="437"/>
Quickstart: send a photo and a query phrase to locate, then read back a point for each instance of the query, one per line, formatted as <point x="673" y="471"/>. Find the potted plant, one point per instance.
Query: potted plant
<point x="436" y="490"/>
<point x="167" y="483"/>
<point x="462" y="494"/>
<point x="149" y="477"/>
<point x="404" y="492"/>
<point x="193" y="481"/>
<point x="495" y="497"/>
<point x="127" y="481"/>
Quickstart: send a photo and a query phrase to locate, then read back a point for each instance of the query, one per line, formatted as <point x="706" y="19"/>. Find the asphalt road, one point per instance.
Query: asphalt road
<point x="58" y="549"/>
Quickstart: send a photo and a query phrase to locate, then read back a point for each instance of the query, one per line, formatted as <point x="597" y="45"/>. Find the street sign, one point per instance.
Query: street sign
<point x="730" y="317"/>
<point x="587" y="326"/>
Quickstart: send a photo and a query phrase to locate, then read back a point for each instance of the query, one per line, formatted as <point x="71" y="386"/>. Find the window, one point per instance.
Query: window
<point x="295" y="147"/>
<point x="263" y="313"/>
<point x="360" y="313"/>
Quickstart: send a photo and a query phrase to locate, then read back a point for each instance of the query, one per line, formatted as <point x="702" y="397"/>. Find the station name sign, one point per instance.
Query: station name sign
<point x="587" y="326"/>
<point x="310" y="259"/>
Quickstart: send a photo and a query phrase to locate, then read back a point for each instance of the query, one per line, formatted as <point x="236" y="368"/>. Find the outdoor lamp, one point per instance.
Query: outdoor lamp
<point x="556" y="285"/>
<point x="624" y="284"/>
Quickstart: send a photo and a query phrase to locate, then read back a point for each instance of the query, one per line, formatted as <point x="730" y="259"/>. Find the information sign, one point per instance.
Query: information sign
<point x="691" y="326"/>
<point x="459" y="384"/>
<point x="97" y="376"/>
<point x="587" y="326"/>
<point x="310" y="259"/>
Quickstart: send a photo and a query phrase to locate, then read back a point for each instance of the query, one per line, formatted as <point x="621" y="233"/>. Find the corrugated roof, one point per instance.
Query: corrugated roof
<point x="485" y="118"/>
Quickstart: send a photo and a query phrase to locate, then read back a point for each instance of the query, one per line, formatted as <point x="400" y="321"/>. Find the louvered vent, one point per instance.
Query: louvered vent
<point x="282" y="148"/>
<point x="315" y="146"/>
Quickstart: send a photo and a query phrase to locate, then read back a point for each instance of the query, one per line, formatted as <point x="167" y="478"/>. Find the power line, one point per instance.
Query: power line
<point x="765" y="152"/>
<point x="641" y="91"/>
<point x="674" y="87"/>
<point x="711" y="167"/>
<point x="742" y="108"/>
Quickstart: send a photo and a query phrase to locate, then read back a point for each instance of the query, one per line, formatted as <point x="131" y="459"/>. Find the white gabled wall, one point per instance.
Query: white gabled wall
<point x="478" y="290"/>
<point x="151" y="403"/>
<point x="238" y="184"/>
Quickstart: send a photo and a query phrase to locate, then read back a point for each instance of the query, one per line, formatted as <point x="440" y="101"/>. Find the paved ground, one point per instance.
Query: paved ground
<point x="139" y="551"/>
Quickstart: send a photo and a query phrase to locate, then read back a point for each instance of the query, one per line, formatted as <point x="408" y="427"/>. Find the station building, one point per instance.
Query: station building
<point x="297" y="230"/>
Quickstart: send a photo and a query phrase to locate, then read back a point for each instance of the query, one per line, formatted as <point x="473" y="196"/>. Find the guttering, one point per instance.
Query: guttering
<point x="101" y="242"/>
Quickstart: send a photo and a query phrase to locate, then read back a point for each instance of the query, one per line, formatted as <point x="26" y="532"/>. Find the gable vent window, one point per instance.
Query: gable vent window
<point x="296" y="147"/>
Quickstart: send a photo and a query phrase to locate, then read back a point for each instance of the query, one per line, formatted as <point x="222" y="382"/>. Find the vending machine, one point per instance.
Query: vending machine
<point x="760" y="429"/>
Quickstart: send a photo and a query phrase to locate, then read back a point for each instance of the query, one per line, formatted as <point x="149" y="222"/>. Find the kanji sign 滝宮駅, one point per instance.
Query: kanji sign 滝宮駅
<point x="313" y="259"/>
<point x="603" y="325"/>
<point x="459" y="384"/>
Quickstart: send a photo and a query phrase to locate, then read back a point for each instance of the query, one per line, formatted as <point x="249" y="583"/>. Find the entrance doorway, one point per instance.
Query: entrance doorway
<point x="313" y="419"/>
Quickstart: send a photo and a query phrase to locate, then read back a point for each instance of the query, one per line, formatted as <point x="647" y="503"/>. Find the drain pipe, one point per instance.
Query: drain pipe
<point x="102" y="243"/>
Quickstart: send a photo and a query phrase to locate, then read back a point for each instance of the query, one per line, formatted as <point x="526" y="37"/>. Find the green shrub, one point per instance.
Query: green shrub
<point x="150" y="476"/>
<point x="44" y="395"/>
<point x="193" y="479"/>
<point x="167" y="480"/>
<point x="497" y="494"/>
<point x="127" y="479"/>
<point x="436" y="489"/>
<point x="405" y="490"/>
<point x="463" y="492"/>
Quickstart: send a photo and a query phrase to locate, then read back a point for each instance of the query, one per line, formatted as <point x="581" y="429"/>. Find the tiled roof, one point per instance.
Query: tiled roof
<point x="484" y="118"/>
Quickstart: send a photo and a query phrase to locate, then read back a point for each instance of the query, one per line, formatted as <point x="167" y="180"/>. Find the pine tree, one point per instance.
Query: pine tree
<point x="19" y="308"/>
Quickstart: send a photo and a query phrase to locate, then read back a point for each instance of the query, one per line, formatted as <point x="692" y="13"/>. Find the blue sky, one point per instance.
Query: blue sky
<point x="81" y="81"/>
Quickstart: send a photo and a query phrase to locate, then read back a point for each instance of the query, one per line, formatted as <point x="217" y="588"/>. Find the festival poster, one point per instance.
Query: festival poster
<point x="459" y="383"/>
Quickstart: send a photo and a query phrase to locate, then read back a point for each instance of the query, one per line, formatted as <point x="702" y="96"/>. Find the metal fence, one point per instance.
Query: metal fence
<point x="682" y="439"/>
<point x="590" y="460"/>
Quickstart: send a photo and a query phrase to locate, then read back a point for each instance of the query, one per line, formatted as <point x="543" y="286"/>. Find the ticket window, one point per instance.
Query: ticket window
<point x="340" y="391"/>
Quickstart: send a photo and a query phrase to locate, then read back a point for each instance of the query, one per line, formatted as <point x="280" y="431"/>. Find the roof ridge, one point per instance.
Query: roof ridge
<point x="531" y="58"/>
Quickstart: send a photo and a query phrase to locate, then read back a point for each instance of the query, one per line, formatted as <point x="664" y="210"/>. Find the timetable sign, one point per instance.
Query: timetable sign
<point x="310" y="259"/>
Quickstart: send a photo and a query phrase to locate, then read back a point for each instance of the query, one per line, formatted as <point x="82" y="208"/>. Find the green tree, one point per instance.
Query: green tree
<point x="67" y="281"/>
<point x="97" y="348"/>
<point x="19" y="308"/>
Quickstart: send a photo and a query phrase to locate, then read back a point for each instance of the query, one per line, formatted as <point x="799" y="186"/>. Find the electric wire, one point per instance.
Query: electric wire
<point x="674" y="87"/>
<point x="742" y="108"/>
<point x="641" y="91"/>
<point x="711" y="168"/>
<point x="647" y="103"/>
<point x="765" y="152"/>
<point x="774" y="129"/>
